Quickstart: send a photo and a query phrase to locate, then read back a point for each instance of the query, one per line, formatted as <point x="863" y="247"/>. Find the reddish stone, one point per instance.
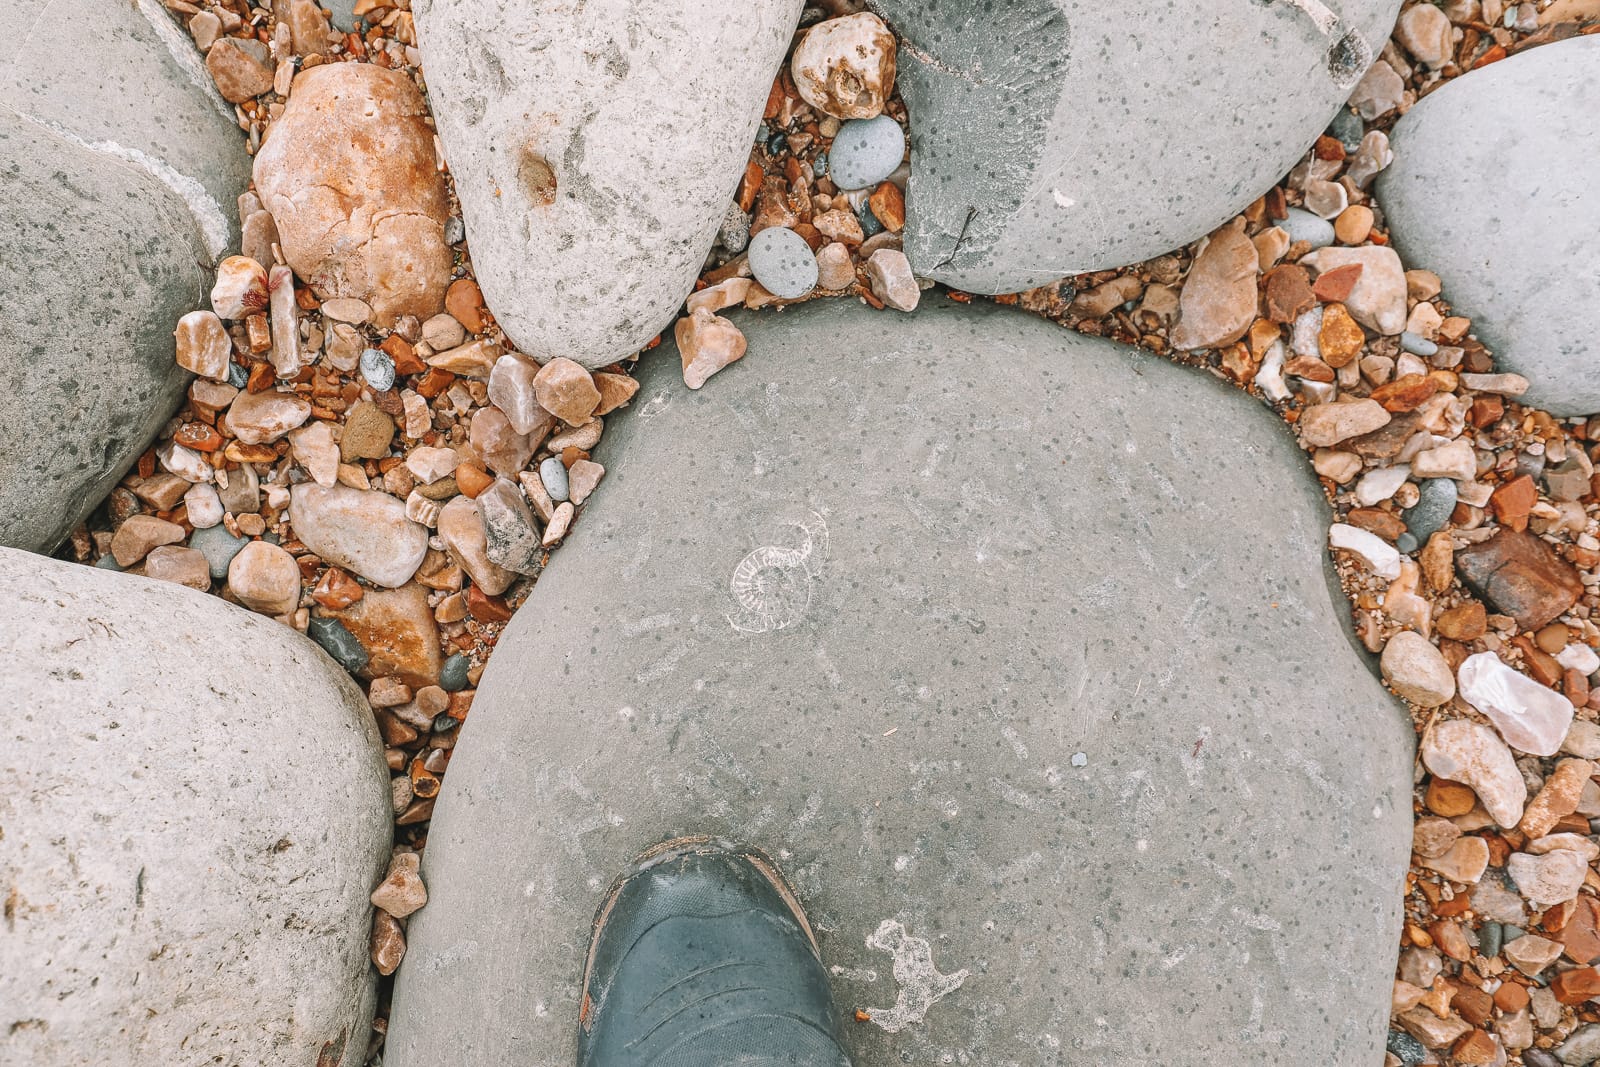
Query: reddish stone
<point x="1334" y="286"/>
<point x="1511" y="997"/>
<point x="337" y="590"/>
<point x="1386" y="524"/>
<point x="1577" y="985"/>
<point x="1308" y="367"/>
<point x="1448" y="938"/>
<point x="436" y="381"/>
<point x="198" y="436"/>
<point x="1486" y="411"/>
<point x="1512" y="501"/>
<point x="486" y="608"/>
<point x="1473" y="1004"/>
<point x="1288" y="290"/>
<point x="406" y="360"/>
<point x="1519" y="575"/>
<point x="1581" y="937"/>
<point x="1329" y="148"/>
<point x="1475" y="1047"/>
<point x="464" y="300"/>
<point x="1406" y="393"/>
<point x="397" y="628"/>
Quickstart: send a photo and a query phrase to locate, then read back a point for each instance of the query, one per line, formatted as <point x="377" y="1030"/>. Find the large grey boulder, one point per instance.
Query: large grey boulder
<point x="1493" y="185"/>
<point x="1015" y="647"/>
<point x="595" y="148"/>
<point x="195" y="811"/>
<point x="119" y="166"/>
<point x="1057" y="136"/>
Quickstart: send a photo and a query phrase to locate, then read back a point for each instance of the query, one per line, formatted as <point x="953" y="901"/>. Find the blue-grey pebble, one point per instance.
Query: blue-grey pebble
<point x="338" y="642"/>
<point x="378" y="369"/>
<point x="1304" y="226"/>
<point x="1406" y="543"/>
<point x="1407" y="1049"/>
<point x="1490" y="940"/>
<point x="553" y="473"/>
<point x="108" y="562"/>
<point x="777" y="143"/>
<point x="782" y="262"/>
<point x="453" y="675"/>
<point x="819" y="165"/>
<point x="734" y="233"/>
<point x="238" y="377"/>
<point x="1348" y="129"/>
<point x="1417" y="344"/>
<point x="1509" y="933"/>
<point x="455" y="230"/>
<point x="219" y="547"/>
<point x="1433" y="508"/>
<point x="866" y="151"/>
<point x="444" y="722"/>
<point x="1538" y="1057"/>
<point x="870" y="224"/>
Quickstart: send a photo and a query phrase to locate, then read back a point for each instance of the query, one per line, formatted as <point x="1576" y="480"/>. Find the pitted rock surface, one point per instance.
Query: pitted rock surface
<point x="956" y="620"/>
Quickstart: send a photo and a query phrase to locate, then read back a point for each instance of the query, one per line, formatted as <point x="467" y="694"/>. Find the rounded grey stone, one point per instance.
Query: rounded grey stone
<point x="920" y="572"/>
<point x="1302" y="225"/>
<point x="782" y="262"/>
<point x="218" y="546"/>
<point x="1054" y="137"/>
<point x="1417" y="344"/>
<point x="1517" y="141"/>
<point x="865" y="152"/>
<point x="196" y="809"/>
<point x="337" y="641"/>
<point x="453" y="676"/>
<point x="1435" y="501"/>
<point x="553" y="473"/>
<point x="1348" y="128"/>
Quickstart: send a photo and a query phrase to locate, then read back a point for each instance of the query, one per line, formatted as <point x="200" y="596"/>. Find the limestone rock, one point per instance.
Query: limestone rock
<point x="1472" y="754"/>
<point x="1327" y="424"/>
<point x="1524" y="123"/>
<point x="349" y="175"/>
<point x="401" y="892"/>
<point x="594" y="164"/>
<point x="791" y="595"/>
<point x="844" y="67"/>
<point x="363" y="530"/>
<point x="189" y="849"/>
<point x="1416" y="670"/>
<point x="567" y="391"/>
<point x="1058" y="186"/>
<point x="1464" y="862"/>
<point x="203" y="346"/>
<point x="1378" y="299"/>
<point x="265" y="579"/>
<point x="261" y="418"/>
<point x="1553" y="878"/>
<point x="706" y="344"/>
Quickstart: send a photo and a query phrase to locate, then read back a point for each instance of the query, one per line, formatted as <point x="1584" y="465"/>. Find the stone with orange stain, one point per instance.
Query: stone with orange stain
<point x="616" y="390"/>
<point x="1512" y="502"/>
<point x="1340" y="337"/>
<point x="397" y="628"/>
<point x="1406" y="393"/>
<point x="336" y="589"/>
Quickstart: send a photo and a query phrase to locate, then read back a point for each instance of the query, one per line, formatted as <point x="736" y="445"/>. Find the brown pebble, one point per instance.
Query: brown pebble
<point x="464" y="300"/>
<point x="1448" y="798"/>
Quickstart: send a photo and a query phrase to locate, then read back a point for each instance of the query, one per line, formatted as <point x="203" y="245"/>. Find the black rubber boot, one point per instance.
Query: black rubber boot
<point x="701" y="957"/>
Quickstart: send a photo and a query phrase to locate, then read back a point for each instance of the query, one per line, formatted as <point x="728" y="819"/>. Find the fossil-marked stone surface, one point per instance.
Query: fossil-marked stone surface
<point x="1059" y="136"/>
<point x="1517" y="140"/>
<point x="195" y="811"/>
<point x="595" y="147"/>
<point x="959" y="627"/>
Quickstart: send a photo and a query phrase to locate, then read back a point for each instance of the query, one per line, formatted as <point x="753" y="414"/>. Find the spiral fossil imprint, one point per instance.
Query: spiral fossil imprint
<point x="771" y="586"/>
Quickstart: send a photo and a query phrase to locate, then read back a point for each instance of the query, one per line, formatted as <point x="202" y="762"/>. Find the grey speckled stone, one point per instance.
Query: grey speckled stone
<point x="100" y="261"/>
<point x="195" y="810"/>
<point x="127" y="78"/>
<point x="1058" y="136"/>
<point x="782" y="262"/>
<point x="595" y="148"/>
<point x="880" y="671"/>
<point x="1518" y="141"/>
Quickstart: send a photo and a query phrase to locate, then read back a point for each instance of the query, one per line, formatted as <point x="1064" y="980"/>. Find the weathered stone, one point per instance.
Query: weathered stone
<point x="401" y="892"/>
<point x="261" y="418"/>
<point x="349" y="174"/>
<point x="1553" y="878"/>
<point x="171" y="900"/>
<point x="706" y="344"/>
<point x="184" y="566"/>
<point x="1521" y="576"/>
<point x="1433" y="836"/>
<point x="844" y="67"/>
<point x="1378" y="298"/>
<point x="889" y="274"/>
<point x="264" y="578"/>
<point x="363" y="530"/>
<point x="1414" y="668"/>
<point x="202" y="344"/>
<point x="567" y="391"/>
<point x="397" y="628"/>
<point x="589" y="713"/>
<point x="504" y="449"/>
<point x="1558" y="797"/>
<point x="1523" y="123"/>
<point x="509" y="527"/>
<point x="1472" y="754"/>
<point x="1322" y="425"/>
<point x="1464" y="861"/>
<point x="511" y="389"/>
<point x="368" y="433"/>
<point x="241" y="67"/>
<point x="462" y="531"/>
<point x="1218" y="302"/>
<point x="138" y="534"/>
<point x="1002" y="205"/>
<point x="575" y="171"/>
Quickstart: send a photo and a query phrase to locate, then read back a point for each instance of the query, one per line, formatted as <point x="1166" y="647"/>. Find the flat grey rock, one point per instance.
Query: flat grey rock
<point x="126" y="80"/>
<point x="100" y="261"/>
<point x="595" y="148"/>
<point x="1059" y="136"/>
<point x="196" y="809"/>
<point x="1014" y="647"/>
<point x="1493" y="185"/>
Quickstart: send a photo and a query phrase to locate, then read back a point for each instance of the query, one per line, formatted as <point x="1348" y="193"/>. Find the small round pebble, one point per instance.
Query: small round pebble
<point x="1302" y="225"/>
<point x="866" y="151"/>
<point x="219" y="547"/>
<point x="1417" y="344"/>
<point x="455" y="230"/>
<point x="553" y="473"/>
<point x="1406" y="543"/>
<point x="819" y="165"/>
<point x="783" y="263"/>
<point x="444" y="722"/>
<point x="1490" y="938"/>
<point x="108" y="562"/>
<point x="453" y="676"/>
<point x="338" y="642"/>
<point x="1433" y="508"/>
<point x="378" y="369"/>
<point x="734" y="233"/>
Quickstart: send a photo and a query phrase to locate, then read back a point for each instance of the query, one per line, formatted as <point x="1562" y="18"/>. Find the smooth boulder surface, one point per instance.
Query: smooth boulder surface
<point x="1057" y="730"/>
<point x="196" y="810"/>
<point x="1515" y="145"/>
<point x="1057" y="136"/>
<point x="100" y="262"/>
<point x="126" y="82"/>
<point x="595" y="148"/>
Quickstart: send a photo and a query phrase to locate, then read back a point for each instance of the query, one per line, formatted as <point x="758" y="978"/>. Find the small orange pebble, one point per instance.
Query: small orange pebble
<point x="147" y="463"/>
<point x="863" y="1016"/>
<point x="959" y="297"/>
<point x="306" y="300"/>
<point x="1493" y="55"/>
<point x="472" y="481"/>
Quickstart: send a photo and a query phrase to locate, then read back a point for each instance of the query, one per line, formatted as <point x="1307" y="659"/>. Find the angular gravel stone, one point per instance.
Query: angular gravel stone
<point x="594" y="158"/>
<point x="1531" y="717"/>
<point x="1473" y="754"/>
<point x="188" y="848"/>
<point x="1525" y="123"/>
<point x="1020" y="110"/>
<point x="915" y="810"/>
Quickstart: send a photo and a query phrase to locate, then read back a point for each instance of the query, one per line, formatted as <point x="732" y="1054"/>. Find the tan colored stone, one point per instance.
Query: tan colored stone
<point x="261" y="418"/>
<point x="1339" y="338"/>
<point x="706" y="344"/>
<point x="511" y="389"/>
<point x="365" y="532"/>
<point x="1474" y="755"/>
<point x="889" y="274"/>
<point x="616" y="390"/>
<point x="475" y="359"/>
<point x="138" y="534"/>
<point x="582" y="478"/>
<point x="503" y="449"/>
<point x="461" y="529"/>
<point x="265" y="578"/>
<point x="835" y="269"/>
<point x="1218" y="302"/>
<point x="401" y="892"/>
<point x="845" y="66"/>
<point x="397" y="628"/>
<point x="1322" y="425"/>
<point x="566" y="390"/>
<point x="349" y="174"/>
<point x="242" y="68"/>
<point x="1433" y="836"/>
<point x="368" y="433"/>
<point x="309" y="32"/>
<point x="203" y="345"/>
<point x="1559" y="797"/>
<point x="1464" y="861"/>
<point x="388" y="945"/>
<point x="185" y="566"/>
<point x="1415" y="669"/>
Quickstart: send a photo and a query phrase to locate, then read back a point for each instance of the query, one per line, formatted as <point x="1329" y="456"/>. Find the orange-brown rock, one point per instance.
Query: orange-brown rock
<point x="567" y="391"/>
<point x="1577" y="985"/>
<point x="1218" y="302"/>
<point x="1512" y="502"/>
<point x="1406" y="393"/>
<point x="397" y="628"/>
<point x="1386" y="524"/>
<point x="349" y="173"/>
<point x="1288" y="292"/>
<point x="1521" y="576"/>
<point x="1340" y="337"/>
<point x="1448" y="798"/>
<point x="337" y="590"/>
<point x="1466" y="621"/>
<point x="1475" y="1047"/>
<point x="615" y="391"/>
<point x="1511" y="997"/>
<point x="1334" y="286"/>
<point x="1580" y="938"/>
<point x="1437" y="559"/>
<point x="888" y="206"/>
<point x="1473" y="1004"/>
<point x="464" y="301"/>
<point x="1558" y="797"/>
